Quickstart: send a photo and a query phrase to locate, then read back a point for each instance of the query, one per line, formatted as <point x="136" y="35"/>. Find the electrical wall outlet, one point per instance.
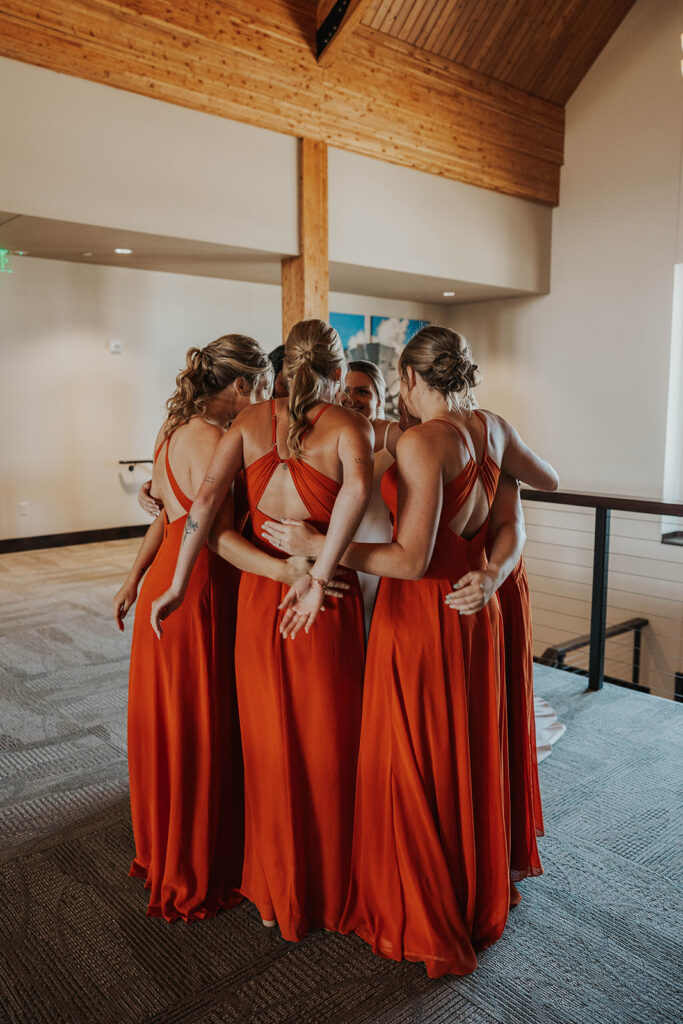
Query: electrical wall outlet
<point x="23" y="508"/>
<point x="115" y="347"/>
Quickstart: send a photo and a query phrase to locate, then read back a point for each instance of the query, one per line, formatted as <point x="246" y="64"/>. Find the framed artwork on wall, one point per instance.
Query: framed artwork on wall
<point x="380" y="340"/>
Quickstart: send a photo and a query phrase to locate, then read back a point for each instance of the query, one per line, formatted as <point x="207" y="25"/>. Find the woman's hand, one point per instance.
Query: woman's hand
<point x="152" y="506"/>
<point x="295" y="567"/>
<point x="293" y="536"/>
<point x="162" y="608"/>
<point x="301" y="606"/>
<point x="123" y="602"/>
<point x="472" y="592"/>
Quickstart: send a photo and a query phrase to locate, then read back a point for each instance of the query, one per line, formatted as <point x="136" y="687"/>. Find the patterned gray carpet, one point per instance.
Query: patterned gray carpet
<point x="596" y="939"/>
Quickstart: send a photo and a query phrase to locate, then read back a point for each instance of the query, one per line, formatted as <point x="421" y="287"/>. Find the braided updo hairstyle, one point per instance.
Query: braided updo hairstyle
<point x="211" y="369"/>
<point x="443" y="359"/>
<point x="313" y="353"/>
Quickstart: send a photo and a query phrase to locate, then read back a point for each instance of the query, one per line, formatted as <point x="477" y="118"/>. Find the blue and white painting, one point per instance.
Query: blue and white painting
<point x="352" y="328"/>
<point x="380" y="340"/>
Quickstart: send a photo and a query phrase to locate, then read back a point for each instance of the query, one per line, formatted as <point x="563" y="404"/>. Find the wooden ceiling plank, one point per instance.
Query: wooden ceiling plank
<point x="461" y="31"/>
<point x="415" y="19"/>
<point x="515" y="53"/>
<point x="381" y="13"/>
<point x="447" y="111"/>
<point x="401" y="12"/>
<point x="436" y="72"/>
<point x="560" y="81"/>
<point x="441" y="14"/>
<point x="499" y="26"/>
<point x="449" y="27"/>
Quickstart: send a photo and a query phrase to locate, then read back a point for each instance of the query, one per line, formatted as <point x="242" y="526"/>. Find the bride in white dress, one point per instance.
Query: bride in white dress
<point x="364" y="393"/>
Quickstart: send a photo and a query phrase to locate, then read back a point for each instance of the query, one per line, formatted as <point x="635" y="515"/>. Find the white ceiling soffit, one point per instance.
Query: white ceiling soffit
<point x="396" y="284"/>
<point x="63" y="240"/>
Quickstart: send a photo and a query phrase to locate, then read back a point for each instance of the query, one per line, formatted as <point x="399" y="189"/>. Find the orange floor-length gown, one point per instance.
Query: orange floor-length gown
<point x="526" y="815"/>
<point x="430" y="869"/>
<point x="184" y="755"/>
<point x="299" y="705"/>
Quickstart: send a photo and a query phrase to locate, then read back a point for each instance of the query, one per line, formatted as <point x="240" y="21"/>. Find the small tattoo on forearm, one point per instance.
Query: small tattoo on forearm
<point x="210" y="479"/>
<point x="363" y="462"/>
<point x="190" y="526"/>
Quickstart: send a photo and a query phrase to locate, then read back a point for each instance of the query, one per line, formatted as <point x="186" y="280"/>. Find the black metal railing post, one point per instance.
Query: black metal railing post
<point x="596" y="661"/>
<point x="636" y="656"/>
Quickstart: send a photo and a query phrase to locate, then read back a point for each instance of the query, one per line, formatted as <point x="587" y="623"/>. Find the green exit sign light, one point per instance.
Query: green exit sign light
<point x="5" y="261"/>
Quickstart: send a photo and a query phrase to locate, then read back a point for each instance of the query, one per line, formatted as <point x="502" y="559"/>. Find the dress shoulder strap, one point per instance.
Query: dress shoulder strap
<point x="317" y="416"/>
<point x="273" y="418"/>
<point x="175" y="487"/>
<point x="482" y="419"/>
<point x="313" y="422"/>
<point x="386" y="434"/>
<point x="156" y="454"/>
<point x="463" y="435"/>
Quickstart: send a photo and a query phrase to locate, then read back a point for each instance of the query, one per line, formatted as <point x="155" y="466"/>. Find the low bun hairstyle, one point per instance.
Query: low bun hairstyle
<point x="376" y="376"/>
<point x="211" y="369"/>
<point x="443" y="359"/>
<point x="313" y="354"/>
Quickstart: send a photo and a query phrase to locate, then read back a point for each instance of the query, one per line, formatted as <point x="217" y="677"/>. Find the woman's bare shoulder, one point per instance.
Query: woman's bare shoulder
<point x="349" y="421"/>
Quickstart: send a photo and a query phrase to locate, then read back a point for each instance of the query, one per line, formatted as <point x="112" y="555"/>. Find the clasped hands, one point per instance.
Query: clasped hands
<point x="469" y="594"/>
<point x="306" y="596"/>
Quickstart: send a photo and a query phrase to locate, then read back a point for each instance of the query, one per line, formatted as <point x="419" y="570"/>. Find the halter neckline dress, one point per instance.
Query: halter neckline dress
<point x="430" y="865"/>
<point x="299" y="705"/>
<point x="184" y="755"/>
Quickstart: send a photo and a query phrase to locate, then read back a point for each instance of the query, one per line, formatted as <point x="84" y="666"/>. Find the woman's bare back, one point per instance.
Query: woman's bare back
<point x="189" y="450"/>
<point x="281" y="500"/>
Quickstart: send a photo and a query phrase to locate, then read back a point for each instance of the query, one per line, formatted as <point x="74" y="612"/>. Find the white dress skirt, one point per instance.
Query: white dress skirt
<point x="375" y="527"/>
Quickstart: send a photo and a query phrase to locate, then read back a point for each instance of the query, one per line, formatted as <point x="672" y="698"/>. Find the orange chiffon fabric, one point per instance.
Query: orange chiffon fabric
<point x="526" y="817"/>
<point x="299" y="705"/>
<point x="430" y="869"/>
<point x="184" y="754"/>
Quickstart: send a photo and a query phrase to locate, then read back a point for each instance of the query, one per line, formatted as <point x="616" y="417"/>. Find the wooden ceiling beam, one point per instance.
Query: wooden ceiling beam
<point x="336" y="20"/>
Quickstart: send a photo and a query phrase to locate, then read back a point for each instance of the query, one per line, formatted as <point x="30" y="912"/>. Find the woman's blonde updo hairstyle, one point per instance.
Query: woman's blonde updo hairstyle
<point x="376" y="376"/>
<point x="443" y="359"/>
<point x="313" y="353"/>
<point x="211" y="369"/>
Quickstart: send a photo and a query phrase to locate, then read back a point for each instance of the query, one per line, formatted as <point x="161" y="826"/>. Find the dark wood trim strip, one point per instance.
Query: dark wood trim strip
<point x="618" y="502"/>
<point x="60" y="540"/>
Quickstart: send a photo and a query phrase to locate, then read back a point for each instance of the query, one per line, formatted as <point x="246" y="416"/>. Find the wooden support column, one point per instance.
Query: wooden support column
<point x="306" y="277"/>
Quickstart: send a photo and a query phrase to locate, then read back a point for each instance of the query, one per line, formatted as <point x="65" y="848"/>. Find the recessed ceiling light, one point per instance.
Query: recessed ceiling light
<point x="448" y="295"/>
<point x="86" y="254"/>
<point x="123" y="252"/>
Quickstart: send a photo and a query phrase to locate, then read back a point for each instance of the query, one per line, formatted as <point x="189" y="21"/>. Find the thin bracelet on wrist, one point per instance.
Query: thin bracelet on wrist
<point x="316" y="579"/>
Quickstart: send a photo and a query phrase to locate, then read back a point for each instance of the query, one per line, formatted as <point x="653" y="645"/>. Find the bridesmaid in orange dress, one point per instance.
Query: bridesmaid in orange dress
<point x="183" y="736"/>
<point x="526" y="815"/>
<point x="430" y="871"/>
<point x="300" y="701"/>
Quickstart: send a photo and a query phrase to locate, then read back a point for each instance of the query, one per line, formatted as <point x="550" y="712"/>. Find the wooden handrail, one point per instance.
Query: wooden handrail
<point x="617" y="502"/>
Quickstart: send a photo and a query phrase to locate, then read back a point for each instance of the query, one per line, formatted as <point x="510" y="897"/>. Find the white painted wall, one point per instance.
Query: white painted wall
<point x="78" y="151"/>
<point x="584" y="371"/>
<point x="71" y="410"/>
<point x="397" y="218"/>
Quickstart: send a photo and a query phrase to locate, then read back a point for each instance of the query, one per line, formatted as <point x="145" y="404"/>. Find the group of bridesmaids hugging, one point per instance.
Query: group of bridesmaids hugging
<point x="376" y="777"/>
